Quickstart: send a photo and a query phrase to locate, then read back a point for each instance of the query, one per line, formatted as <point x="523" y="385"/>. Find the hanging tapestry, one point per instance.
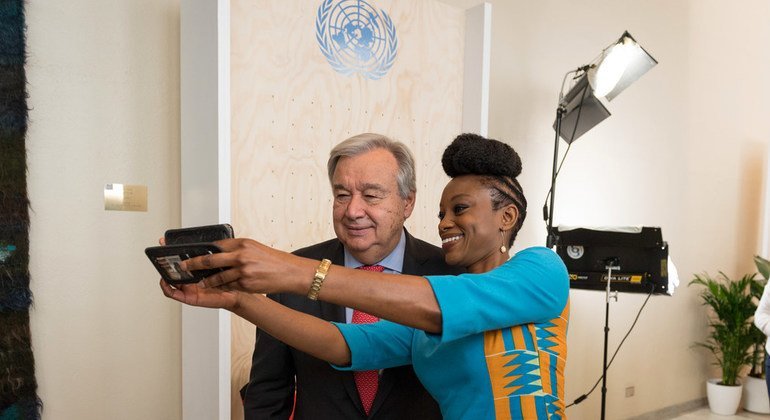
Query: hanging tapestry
<point x="18" y="387"/>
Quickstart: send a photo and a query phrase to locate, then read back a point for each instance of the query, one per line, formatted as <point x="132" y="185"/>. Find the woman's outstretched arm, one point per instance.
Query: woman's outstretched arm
<point x="304" y="332"/>
<point x="257" y="268"/>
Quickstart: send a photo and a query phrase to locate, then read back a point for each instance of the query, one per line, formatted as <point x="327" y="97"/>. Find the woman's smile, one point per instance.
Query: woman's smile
<point x="450" y="241"/>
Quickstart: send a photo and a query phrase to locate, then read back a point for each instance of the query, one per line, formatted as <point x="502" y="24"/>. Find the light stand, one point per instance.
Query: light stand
<point x="612" y="264"/>
<point x="618" y="65"/>
<point x="552" y="237"/>
<point x="580" y="109"/>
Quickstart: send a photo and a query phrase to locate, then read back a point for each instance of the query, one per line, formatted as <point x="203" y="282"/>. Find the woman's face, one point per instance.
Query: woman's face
<point x="469" y="227"/>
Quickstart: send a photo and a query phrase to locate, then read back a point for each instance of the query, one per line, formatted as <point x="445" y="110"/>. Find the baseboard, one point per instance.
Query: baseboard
<point x="672" y="411"/>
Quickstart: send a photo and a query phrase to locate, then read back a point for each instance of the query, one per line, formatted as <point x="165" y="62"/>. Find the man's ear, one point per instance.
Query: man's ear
<point x="510" y="214"/>
<point x="409" y="204"/>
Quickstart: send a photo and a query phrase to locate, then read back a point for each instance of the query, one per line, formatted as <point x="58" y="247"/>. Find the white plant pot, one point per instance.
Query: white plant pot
<point x="755" y="398"/>
<point x="723" y="400"/>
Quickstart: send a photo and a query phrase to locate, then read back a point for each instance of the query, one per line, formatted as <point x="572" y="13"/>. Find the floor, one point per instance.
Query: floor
<point x="705" y="414"/>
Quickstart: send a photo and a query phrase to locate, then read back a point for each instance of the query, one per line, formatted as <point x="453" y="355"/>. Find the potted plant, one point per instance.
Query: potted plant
<point x="730" y="336"/>
<point x="755" y="396"/>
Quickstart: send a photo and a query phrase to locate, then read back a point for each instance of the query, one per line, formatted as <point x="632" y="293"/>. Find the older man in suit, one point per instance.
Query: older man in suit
<point x="373" y="182"/>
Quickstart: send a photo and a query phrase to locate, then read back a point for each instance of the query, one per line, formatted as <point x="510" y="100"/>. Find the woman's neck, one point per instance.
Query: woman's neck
<point x="489" y="263"/>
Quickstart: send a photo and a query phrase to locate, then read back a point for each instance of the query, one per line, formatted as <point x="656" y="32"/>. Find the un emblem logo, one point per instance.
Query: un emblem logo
<point x="356" y="38"/>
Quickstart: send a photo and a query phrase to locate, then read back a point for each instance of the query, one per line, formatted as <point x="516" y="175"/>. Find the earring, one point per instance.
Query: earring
<point x="503" y="249"/>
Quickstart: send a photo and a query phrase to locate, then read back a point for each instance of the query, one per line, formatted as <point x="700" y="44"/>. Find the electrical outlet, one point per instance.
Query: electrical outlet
<point x="629" y="391"/>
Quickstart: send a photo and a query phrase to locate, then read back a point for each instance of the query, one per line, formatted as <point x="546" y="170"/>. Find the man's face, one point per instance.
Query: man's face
<point x="368" y="212"/>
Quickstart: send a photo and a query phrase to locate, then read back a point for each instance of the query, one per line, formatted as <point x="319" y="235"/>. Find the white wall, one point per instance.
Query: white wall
<point x="104" y="97"/>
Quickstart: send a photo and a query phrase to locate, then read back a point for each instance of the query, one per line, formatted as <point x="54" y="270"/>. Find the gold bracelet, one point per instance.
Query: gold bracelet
<point x="318" y="279"/>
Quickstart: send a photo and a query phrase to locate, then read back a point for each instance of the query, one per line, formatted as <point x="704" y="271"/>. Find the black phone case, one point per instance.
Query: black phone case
<point x="166" y="259"/>
<point x="198" y="234"/>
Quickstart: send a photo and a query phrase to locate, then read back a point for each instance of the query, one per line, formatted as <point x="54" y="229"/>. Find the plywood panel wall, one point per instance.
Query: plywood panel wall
<point x="290" y="107"/>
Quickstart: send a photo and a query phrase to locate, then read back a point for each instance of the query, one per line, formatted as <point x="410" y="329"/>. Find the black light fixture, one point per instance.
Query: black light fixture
<point x="581" y="108"/>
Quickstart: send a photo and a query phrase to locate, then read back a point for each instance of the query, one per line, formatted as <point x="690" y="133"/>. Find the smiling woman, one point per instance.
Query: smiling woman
<point x="482" y="204"/>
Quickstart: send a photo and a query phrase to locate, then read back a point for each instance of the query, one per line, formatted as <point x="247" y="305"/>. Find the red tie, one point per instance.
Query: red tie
<point x="367" y="381"/>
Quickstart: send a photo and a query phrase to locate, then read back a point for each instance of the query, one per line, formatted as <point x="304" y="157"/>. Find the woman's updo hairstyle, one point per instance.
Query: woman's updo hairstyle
<point x="497" y="163"/>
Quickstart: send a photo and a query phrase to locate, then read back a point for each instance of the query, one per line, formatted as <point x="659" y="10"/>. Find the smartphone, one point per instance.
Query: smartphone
<point x="198" y="234"/>
<point x="166" y="259"/>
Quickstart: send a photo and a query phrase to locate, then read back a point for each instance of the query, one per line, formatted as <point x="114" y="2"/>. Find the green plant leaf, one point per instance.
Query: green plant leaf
<point x="763" y="266"/>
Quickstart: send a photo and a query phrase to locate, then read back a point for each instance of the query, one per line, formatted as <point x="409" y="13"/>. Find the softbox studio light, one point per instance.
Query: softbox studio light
<point x="581" y="108"/>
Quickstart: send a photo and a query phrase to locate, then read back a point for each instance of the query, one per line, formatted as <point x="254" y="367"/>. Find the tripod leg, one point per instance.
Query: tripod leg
<point x="604" y="365"/>
<point x="606" y="337"/>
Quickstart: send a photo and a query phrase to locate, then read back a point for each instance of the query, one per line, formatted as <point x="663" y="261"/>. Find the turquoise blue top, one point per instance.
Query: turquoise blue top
<point x="503" y="347"/>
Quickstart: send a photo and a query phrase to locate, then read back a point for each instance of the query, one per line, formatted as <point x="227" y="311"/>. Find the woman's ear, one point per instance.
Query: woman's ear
<point x="510" y="215"/>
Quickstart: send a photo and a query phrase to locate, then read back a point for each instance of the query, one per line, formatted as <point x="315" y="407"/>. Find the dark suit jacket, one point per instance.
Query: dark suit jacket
<point x="322" y="391"/>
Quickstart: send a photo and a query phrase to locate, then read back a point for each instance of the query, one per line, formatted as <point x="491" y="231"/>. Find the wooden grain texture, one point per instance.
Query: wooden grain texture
<point x="290" y="107"/>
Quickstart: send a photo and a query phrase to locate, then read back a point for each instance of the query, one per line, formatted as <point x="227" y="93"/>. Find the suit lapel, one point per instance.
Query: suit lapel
<point x="336" y="313"/>
<point x="413" y="259"/>
<point x="412" y="263"/>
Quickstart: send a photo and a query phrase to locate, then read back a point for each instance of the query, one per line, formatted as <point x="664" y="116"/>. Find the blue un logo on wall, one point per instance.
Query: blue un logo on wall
<point x="356" y="38"/>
